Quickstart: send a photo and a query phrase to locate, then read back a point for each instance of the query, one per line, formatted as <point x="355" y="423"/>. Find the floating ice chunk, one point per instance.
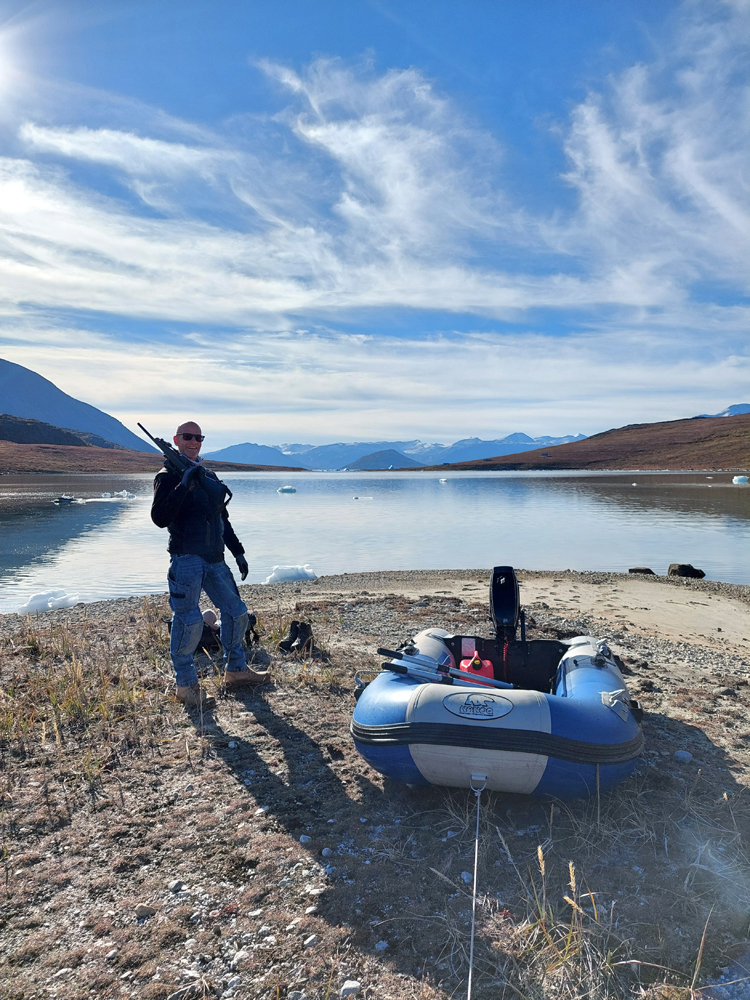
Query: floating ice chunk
<point x="286" y="489"/>
<point x="50" y="600"/>
<point x="288" y="574"/>
<point x="442" y="480"/>
<point x="739" y="480"/>
<point x="106" y="496"/>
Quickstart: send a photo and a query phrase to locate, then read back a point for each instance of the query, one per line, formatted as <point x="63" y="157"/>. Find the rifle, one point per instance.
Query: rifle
<point x="175" y="461"/>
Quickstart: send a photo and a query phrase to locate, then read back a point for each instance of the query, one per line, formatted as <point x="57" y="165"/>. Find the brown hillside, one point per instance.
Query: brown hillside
<point x="24" y="458"/>
<point x="699" y="443"/>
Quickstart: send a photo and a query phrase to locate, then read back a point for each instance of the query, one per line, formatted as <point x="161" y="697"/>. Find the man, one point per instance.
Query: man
<point x="193" y="508"/>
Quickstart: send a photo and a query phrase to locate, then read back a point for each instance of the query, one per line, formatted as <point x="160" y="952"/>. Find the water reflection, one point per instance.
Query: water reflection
<point x="408" y="521"/>
<point x="40" y="529"/>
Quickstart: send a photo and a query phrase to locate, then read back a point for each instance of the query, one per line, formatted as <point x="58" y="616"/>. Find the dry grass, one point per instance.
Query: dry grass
<point x="637" y="893"/>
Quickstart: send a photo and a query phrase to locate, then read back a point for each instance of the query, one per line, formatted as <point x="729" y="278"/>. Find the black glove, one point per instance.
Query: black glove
<point x="187" y="477"/>
<point x="242" y="566"/>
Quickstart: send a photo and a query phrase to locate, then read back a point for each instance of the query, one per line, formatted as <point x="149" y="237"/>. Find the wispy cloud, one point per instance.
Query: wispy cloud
<point x="373" y="194"/>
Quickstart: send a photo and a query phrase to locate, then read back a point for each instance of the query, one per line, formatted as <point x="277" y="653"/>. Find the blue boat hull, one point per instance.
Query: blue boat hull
<point x="564" y="745"/>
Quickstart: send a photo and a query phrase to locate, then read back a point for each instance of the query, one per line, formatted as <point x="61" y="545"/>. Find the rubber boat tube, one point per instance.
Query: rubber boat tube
<point x="586" y="736"/>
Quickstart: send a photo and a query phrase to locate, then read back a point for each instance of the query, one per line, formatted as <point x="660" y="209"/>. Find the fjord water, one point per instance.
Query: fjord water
<point x="352" y="522"/>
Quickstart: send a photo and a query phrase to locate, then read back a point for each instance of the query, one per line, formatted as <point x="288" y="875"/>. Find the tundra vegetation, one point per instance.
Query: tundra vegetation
<point x="151" y="853"/>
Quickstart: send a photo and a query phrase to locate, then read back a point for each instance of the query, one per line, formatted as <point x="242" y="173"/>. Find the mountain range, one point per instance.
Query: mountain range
<point x="413" y="454"/>
<point x="59" y="418"/>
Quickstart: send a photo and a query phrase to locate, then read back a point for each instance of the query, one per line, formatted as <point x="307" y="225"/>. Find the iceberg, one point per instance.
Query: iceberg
<point x="288" y="574"/>
<point x="739" y="480"/>
<point x="49" y="600"/>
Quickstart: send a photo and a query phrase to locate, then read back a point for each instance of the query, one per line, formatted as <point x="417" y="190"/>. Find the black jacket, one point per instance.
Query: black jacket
<point x="195" y="515"/>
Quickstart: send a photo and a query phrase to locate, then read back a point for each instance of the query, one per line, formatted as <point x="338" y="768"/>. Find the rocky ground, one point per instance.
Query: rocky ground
<point x="251" y="853"/>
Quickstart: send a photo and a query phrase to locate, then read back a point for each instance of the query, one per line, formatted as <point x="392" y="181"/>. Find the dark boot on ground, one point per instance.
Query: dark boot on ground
<point x="251" y="635"/>
<point x="304" y="641"/>
<point x="285" y="646"/>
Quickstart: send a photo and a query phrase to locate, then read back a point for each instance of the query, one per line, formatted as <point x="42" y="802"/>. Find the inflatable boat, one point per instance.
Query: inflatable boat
<point x="545" y="717"/>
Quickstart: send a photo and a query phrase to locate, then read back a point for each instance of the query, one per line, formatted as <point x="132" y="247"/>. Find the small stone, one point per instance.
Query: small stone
<point x="233" y="745"/>
<point x="326" y="852"/>
<point x="234" y="982"/>
<point x="642" y="569"/>
<point x="261" y="810"/>
<point x="290" y="927"/>
<point x="269" y="939"/>
<point x="350" y="988"/>
<point x="296" y="995"/>
<point x="363" y="819"/>
<point x="310" y="909"/>
<point x="238" y="957"/>
<point x="110" y="955"/>
<point x="255" y="913"/>
<point x="311" y="941"/>
<point x="381" y="946"/>
<point x="187" y="992"/>
<point x="467" y="878"/>
<point x="175" y="885"/>
<point x="195" y="917"/>
<point x="304" y="839"/>
<point x="143" y="910"/>
<point x="682" y="756"/>
<point x="62" y="972"/>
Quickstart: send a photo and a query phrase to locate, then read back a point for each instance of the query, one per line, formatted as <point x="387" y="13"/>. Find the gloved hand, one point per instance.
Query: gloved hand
<point x="187" y="476"/>
<point x="242" y="566"/>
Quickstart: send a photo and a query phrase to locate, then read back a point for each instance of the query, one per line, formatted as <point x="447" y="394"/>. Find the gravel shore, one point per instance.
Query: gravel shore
<point x="252" y="854"/>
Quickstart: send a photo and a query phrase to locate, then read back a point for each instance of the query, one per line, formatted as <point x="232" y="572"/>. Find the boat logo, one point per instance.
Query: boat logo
<point x="477" y="706"/>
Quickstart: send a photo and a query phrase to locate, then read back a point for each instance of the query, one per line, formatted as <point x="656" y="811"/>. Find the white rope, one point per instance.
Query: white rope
<point x="478" y="783"/>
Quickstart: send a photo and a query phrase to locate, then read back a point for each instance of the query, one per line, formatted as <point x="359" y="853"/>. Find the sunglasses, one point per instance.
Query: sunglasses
<point x="193" y="437"/>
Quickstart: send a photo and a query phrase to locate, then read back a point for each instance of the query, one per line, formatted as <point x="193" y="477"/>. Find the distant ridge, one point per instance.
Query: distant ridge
<point x="735" y="410"/>
<point x="24" y="393"/>
<point x="717" y="443"/>
<point x="389" y="459"/>
<point x="23" y="430"/>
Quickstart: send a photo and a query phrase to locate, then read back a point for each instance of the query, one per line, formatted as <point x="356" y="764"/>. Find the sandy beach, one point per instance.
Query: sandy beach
<point x="268" y="860"/>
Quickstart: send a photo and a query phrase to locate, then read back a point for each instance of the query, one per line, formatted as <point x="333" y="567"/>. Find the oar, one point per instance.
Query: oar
<point x="430" y="664"/>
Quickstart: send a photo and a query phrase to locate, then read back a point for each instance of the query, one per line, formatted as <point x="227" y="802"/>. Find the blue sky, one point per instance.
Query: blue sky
<point x="350" y="220"/>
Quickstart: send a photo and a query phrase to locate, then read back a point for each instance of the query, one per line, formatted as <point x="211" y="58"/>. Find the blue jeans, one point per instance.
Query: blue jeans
<point x="188" y="575"/>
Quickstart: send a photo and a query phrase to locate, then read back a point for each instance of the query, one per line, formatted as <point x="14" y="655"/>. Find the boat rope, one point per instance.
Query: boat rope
<point x="478" y="784"/>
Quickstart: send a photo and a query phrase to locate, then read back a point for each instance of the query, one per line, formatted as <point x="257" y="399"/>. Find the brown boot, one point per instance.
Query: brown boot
<point x="243" y="678"/>
<point x="195" y="697"/>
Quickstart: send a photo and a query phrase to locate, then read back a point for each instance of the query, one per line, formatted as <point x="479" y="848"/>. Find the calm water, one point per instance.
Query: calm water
<point x="110" y="548"/>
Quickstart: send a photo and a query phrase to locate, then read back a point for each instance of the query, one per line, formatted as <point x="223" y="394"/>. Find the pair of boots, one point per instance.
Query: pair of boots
<point x="299" y="639"/>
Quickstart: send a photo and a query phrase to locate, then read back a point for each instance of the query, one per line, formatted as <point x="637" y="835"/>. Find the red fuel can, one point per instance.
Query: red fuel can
<point x="476" y="665"/>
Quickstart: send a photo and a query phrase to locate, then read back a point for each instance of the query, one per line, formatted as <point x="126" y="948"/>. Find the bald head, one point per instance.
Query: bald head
<point x="190" y="446"/>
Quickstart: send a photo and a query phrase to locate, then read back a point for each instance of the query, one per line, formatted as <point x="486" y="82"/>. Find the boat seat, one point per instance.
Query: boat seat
<point x="531" y="665"/>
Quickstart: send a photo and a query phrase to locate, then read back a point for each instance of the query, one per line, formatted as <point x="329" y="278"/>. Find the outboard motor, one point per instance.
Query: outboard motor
<point x="505" y="603"/>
